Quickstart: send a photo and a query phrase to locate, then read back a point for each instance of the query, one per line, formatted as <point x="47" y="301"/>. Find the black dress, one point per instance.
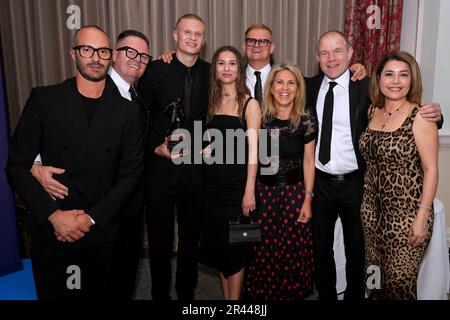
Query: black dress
<point x="282" y="267"/>
<point x="225" y="186"/>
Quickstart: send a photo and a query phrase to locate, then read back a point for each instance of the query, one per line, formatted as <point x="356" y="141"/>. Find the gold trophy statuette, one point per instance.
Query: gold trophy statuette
<point x="176" y="115"/>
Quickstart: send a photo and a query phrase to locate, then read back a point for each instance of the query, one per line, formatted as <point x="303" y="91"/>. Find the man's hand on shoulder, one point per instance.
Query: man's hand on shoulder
<point x="359" y="71"/>
<point x="431" y="111"/>
<point x="167" y="56"/>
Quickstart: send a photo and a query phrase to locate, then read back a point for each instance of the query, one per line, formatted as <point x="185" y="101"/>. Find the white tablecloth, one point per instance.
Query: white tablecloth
<point x="434" y="274"/>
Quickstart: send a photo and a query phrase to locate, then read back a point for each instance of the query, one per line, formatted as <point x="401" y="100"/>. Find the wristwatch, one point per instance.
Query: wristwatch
<point x="310" y="193"/>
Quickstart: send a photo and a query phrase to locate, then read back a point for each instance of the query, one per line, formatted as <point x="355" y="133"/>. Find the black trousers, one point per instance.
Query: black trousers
<point x="335" y="197"/>
<point x="186" y="194"/>
<point x="125" y="258"/>
<point x="52" y="270"/>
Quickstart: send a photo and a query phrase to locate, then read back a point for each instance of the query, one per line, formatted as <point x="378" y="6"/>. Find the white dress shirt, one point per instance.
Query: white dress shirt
<point x="122" y="85"/>
<point x="251" y="78"/>
<point x="342" y="153"/>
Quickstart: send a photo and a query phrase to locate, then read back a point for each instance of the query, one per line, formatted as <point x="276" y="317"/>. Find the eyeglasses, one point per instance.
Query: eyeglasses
<point x="133" y="53"/>
<point x="251" y="42"/>
<point x="88" y="51"/>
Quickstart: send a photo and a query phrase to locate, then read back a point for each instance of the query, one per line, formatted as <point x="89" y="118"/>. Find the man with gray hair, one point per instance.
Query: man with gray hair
<point x="339" y="165"/>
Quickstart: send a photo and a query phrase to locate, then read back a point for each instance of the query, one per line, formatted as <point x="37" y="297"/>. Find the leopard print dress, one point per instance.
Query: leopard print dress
<point x="392" y="189"/>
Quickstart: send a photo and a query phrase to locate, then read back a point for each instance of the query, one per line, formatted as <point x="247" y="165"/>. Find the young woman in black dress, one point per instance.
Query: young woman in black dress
<point x="230" y="178"/>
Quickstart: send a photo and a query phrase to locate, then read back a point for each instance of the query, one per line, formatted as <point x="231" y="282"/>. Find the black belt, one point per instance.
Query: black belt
<point x="282" y="179"/>
<point x="338" y="177"/>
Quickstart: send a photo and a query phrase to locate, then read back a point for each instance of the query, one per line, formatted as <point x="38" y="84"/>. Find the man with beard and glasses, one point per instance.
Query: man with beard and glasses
<point x="83" y="126"/>
<point x="129" y="62"/>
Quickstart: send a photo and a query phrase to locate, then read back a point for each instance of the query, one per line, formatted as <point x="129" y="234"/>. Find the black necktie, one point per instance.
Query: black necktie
<point x="134" y="95"/>
<point x="145" y="114"/>
<point x="258" y="87"/>
<point x="327" y="119"/>
<point x="187" y="92"/>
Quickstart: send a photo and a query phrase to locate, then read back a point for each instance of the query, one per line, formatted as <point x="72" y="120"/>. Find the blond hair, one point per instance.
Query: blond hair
<point x="269" y="104"/>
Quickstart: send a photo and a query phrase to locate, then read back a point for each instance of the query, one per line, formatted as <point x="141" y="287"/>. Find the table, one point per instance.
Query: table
<point x="433" y="281"/>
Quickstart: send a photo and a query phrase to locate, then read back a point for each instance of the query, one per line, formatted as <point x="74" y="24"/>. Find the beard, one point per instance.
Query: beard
<point x="90" y="76"/>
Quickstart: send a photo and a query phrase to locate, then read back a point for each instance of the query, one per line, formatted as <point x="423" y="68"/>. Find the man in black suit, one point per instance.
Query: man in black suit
<point x="341" y="109"/>
<point x="80" y="125"/>
<point x="167" y="184"/>
<point x="129" y="62"/>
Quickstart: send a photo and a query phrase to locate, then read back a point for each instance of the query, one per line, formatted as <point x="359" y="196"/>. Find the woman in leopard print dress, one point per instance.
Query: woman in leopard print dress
<point x="400" y="149"/>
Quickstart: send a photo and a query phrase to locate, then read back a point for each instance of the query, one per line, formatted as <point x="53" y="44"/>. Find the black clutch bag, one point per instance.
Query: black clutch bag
<point x="244" y="233"/>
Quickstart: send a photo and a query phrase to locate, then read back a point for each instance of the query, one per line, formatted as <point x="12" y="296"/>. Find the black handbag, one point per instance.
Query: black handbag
<point x="244" y="233"/>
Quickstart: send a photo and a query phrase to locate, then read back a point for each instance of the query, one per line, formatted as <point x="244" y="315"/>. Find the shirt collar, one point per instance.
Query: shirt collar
<point x="118" y="80"/>
<point x="180" y="64"/>
<point x="264" y="71"/>
<point x="343" y="81"/>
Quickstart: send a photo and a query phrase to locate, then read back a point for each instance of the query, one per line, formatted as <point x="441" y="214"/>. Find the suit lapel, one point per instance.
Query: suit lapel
<point x="316" y="89"/>
<point x="354" y="108"/>
<point x="315" y="84"/>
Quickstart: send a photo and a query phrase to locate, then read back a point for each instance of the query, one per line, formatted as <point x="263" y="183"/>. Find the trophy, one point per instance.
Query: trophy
<point x="175" y="113"/>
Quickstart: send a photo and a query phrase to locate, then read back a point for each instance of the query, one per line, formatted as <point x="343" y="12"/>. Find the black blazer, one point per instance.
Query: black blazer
<point x="359" y="104"/>
<point x="161" y="85"/>
<point x="103" y="161"/>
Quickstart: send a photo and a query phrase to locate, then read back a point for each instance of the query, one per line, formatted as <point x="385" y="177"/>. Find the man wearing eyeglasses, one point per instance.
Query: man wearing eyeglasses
<point x="258" y="48"/>
<point x="129" y="62"/>
<point x="84" y="126"/>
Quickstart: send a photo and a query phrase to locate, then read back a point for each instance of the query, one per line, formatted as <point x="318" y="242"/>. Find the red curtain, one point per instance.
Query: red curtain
<point x="373" y="28"/>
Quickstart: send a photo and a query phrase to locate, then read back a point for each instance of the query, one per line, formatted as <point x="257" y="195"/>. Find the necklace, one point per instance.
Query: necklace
<point x="229" y="94"/>
<point x="389" y="114"/>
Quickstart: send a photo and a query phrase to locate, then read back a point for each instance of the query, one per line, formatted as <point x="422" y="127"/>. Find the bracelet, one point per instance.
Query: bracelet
<point x="309" y="193"/>
<point x="425" y="206"/>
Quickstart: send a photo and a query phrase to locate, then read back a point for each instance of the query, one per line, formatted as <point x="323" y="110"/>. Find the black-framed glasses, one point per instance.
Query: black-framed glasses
<point x="88" y="51"/>
<point x="251" y="42"/>
<point x="133" y="53"/>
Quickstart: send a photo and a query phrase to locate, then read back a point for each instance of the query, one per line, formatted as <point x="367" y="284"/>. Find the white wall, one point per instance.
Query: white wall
<point x="425" y="34"/>
<point x="441" y="89"/>
<point x="408" y="39"/>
